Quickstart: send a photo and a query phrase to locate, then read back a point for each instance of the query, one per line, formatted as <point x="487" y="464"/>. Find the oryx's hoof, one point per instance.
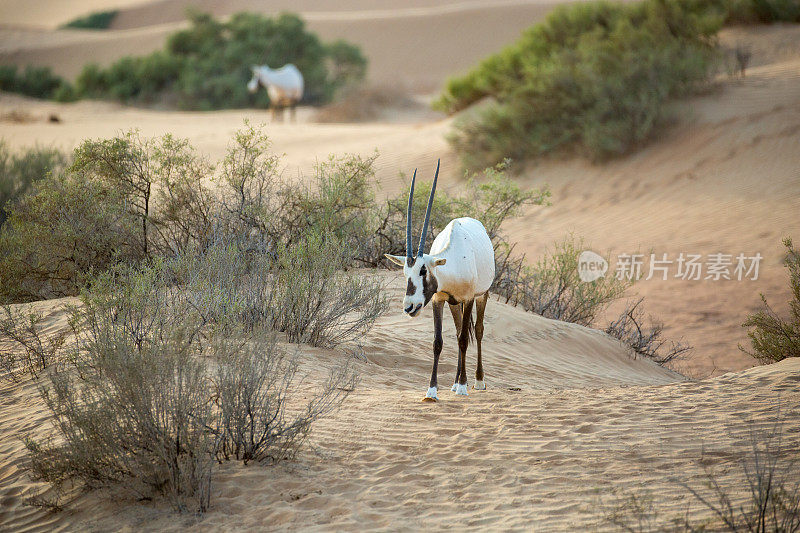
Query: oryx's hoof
<point x="479" y="385"/>
<point x="431" y="395"/>
<point x="461" y="390"/>
<point x="454" y="387"/>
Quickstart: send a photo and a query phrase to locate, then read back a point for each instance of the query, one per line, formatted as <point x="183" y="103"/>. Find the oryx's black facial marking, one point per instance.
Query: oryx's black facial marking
<point x="429" y="285"/>
<point x="411" y="289"/>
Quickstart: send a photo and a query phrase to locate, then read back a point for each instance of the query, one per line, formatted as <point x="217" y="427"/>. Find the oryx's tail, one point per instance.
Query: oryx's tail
<point x="470" y="325"/>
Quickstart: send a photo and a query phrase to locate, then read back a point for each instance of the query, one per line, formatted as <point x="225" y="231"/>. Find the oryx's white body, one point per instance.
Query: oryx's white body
<point x="469" y="269"/>
<point x="459" y="270"/>
<point x="284" y="85"/>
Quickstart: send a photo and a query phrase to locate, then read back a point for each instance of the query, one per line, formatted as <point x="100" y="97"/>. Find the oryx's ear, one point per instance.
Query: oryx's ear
<point x="439" y="261"/>
<point x="398" y="260"/>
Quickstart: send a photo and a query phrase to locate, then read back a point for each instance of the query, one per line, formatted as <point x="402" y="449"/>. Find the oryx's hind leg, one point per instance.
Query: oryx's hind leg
<point x="480" y="308"/>
<point x="293" y="111"/>
<point x="463" y="342"/>
<point x="455" y="310"/>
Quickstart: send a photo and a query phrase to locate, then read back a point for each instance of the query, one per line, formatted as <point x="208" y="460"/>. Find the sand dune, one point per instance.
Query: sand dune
<point x="570" y="420"/>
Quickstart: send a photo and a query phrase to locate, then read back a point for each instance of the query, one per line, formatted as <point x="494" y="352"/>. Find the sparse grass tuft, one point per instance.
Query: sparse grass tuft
<point x="646" y="340"/>
<point x="28" y="350"/>
<point x="760" y="493"/>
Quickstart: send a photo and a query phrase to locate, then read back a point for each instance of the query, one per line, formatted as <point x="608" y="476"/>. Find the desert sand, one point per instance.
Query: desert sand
<point x="570" y="425"/>
<point x="589" y="422"/>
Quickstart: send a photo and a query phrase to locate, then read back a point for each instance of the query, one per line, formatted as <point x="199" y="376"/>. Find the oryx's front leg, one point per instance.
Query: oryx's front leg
<point x="437" y="350"/>
<point x="463" y="342"/>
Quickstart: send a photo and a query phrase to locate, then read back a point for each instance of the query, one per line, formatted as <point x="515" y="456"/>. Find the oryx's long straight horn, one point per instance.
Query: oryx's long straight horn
<point x="428" y="212"/>
<point x="409" y="249"/>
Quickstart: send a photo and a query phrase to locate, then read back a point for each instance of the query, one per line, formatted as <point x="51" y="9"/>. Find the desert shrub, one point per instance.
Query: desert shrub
<point x="253" y="386"/>
<point x="27" y="350"/>
<point x="769" y="473"/>
<point x="346" y="64"/>
<point x="60" y="231"/>
<point x="207" y="66"/>
<point x="771" y="337"/>
<point x="758" y="492"/>
<point x="552" y="288"/>
<point x="162" y="183"/>
<point x="301" y="290"/>
<point x="121" y="199"/>
<point x="19" y="171"/>
<point x="141" y="79"/>
<point x="39" y="82"/>
<point x="316" y="302"/>
<point x="99" y="20"/>
<point x="593" y="77"/>
<point x="632" y="328"/>
<point x="131" y="405"/>
<point x="339" y="198"/>
<point x="151" y="395"/>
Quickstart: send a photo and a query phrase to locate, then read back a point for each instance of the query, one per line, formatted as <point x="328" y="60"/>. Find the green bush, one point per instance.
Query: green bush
<point x="162" y="182"/>
<point x="99" y="20"/>
<point x="593" y="77"/>
<point x="55" y="235"/>
<point x="208" y="65"/>
<point x="773" y="338"/>
<point x="39" y="82"/>
<point x="18" y="172"/>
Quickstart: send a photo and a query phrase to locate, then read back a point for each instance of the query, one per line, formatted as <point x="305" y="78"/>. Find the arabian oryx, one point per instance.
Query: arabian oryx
<point x="459" y="270"/>
<point x="284" y="87"/>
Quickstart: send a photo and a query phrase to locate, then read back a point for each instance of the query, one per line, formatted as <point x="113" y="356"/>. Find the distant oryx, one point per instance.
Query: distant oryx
<point x="459" y="270"/>
<point x="284" y="86"/>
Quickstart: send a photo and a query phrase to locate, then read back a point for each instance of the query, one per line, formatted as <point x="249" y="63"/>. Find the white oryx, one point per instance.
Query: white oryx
<point x="459" y="270"/>
<point x="284" y="86"/>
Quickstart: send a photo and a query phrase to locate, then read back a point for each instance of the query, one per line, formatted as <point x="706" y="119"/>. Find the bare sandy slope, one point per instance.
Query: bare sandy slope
<point x="570" y="424"/>
<point x="415" y="47"/>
